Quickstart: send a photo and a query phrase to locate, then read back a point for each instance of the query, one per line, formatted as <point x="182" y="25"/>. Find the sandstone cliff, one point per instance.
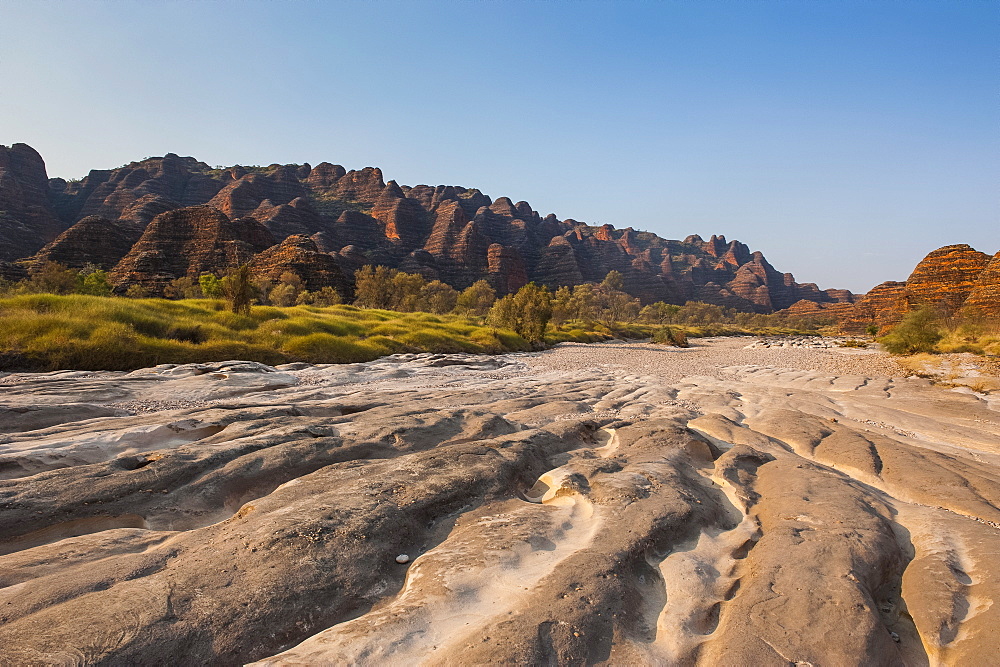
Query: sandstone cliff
<point x="27" y="219"/>
<point x="188" y="242"/>
<point x="451" y="233"/>
<point x="984" y="298"/>
<point x="946" y="279"/>
<point x="299" y="255"/>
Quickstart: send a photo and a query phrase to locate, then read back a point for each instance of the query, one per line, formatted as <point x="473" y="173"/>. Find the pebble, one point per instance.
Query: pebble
<point x="402" y="558"/>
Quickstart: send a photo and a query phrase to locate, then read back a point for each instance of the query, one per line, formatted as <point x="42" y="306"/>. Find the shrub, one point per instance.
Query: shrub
<point x="53" y="278"/>
<point x="675" y="337"/>
<point x="94" y="283"/>
<point x="918" y="332"/>
<point x="210" y="285"/>
<point x="476" y="299"/>
<point x="136" y="292"/>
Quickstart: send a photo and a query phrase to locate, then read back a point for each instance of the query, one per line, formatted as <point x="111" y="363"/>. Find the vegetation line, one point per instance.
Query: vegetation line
<point x="45" y="331"/>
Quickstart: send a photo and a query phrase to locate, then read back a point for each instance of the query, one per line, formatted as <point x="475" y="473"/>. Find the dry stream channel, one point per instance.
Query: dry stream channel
<point x="728" y="504"/>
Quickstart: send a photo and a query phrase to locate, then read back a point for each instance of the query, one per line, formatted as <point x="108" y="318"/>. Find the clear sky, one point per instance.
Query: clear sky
<point x="845" y="139"/>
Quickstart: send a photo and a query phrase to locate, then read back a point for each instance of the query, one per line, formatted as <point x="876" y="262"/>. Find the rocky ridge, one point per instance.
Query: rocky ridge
<point x="953" y="279"/>
<point x="186" y="242"/>
<point x="451" y="233"/>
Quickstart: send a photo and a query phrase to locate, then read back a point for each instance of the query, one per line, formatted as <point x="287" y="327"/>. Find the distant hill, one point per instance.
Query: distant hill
<point x="161" y="218"/>
<point x="956" y="280"/>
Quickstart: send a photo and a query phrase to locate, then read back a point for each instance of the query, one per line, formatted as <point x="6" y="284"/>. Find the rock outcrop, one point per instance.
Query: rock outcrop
<point x="984" y="298"/>
<point x="454" y="509"/>
<point x="300" y="255"/>
<point x="27" y="219"/>
<point x="187" y="242"/>
<point x="93" y="240"/>
<point x="453" y="233"/>
<point x="944" y="280"/>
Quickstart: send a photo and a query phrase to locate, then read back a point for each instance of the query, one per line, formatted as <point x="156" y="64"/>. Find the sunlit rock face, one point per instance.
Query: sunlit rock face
<point x="455" y="234"/>
<point x="945" y="280"/>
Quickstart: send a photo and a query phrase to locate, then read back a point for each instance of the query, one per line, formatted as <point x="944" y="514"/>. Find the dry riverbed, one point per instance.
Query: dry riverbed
<point x="730" y="503"/>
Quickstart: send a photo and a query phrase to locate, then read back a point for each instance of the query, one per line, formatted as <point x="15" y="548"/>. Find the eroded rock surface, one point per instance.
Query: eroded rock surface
<point x="621" y="503"/>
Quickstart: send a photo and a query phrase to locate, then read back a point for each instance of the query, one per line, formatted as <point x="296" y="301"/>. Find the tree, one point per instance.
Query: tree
<point x="238" y="289"/>
<point x="183" y="288"/>
<point x="502" y="314"/>
<point x="477" y="299"/>
<point x="286" y="292"/>
<point x="283" y="295"/>
<point x="614" y="305"/>
<point x="406" y="288"/>
<point x="325" y="296"/>
<point x="534" y="309"/>
<point x="562" y="305"/>
<point x="53" y="278"/>
<point x="696" y="312"/>
<point x="438" y="297"/>
<point x="613" y="282"/>
<point x="136" y="291"/>
<point x="373" y="287"/>
<point x="94" y="283"/>
<point x="526" y="313"/>
<point x="659" y="313"/>
<point x="584" y="303"/>
<point x="210" y="286"/>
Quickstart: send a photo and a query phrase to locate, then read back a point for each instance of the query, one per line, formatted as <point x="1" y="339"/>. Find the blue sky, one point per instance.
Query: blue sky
<point x="844" y="139"/>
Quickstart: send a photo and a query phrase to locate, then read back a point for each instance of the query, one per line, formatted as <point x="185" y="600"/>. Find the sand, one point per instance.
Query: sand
<point x="625" y="503"/>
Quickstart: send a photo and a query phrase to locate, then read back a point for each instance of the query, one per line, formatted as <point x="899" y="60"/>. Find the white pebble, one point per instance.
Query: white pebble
<point x="402" y="558"/>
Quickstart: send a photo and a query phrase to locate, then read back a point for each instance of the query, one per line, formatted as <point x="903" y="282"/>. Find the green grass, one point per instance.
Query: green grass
<point x="49" y="332"/>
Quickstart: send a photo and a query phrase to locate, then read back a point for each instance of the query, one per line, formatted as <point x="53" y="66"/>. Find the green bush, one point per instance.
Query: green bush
<point x="673" y="336"/>
<point x="918" y="332"/>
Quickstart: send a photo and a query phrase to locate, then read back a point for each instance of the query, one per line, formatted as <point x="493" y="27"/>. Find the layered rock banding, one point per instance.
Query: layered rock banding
<point x="984" y="297"/>
<point x="27" y="217"/>
<point x="187" y="242"/>
<point x="300" y="256"/>
<point x="455" y="234"/>
<point x="594" y="504"/>
<point x="955" y="279"/>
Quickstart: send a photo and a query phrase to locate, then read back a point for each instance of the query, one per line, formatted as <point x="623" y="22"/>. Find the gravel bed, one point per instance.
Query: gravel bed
<point x="708" y="356"/>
